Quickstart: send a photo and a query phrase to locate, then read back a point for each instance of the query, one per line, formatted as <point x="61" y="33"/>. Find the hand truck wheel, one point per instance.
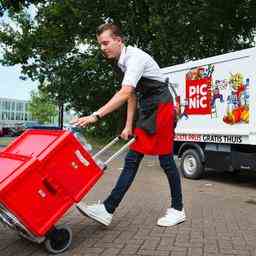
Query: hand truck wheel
<point x="59" y="239"/>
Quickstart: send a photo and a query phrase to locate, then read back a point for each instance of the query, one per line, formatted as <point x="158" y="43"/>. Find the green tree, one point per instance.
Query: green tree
<point x="42" y="108"/>
<point x="58" y="45"/>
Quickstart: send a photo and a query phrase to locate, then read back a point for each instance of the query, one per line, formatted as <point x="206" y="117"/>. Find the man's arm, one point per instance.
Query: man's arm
<point x="131" y="108"/>
<point x="115" y="102"/>
<point x="122" y="96"/>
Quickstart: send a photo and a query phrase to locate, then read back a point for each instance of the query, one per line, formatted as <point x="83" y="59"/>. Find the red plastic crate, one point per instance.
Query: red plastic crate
<point x="42" y="174"/>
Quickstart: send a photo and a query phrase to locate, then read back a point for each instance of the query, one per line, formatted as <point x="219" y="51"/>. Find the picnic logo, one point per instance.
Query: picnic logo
<point x="198" y="96"/>
<point x="198" y="91"/>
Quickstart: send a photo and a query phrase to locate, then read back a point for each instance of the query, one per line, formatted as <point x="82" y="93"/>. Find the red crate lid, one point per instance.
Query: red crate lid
<point x="33" y="142"/>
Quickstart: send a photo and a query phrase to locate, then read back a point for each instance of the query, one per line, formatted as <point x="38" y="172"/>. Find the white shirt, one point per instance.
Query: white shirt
<point x="135" y="64"/>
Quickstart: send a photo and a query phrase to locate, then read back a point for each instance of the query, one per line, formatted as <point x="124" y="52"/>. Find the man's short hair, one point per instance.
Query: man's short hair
<point x="115" y="29"/>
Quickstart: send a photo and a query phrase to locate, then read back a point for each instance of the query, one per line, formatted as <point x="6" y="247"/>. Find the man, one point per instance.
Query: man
<point x="140" y="79"/>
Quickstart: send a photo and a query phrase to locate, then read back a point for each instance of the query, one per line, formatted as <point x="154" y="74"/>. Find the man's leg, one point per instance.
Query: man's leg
<point x="103" y="213"/>
<point x="126" y="178"/>
<point x="168" y="164"/>
<point x="176" y="213"/>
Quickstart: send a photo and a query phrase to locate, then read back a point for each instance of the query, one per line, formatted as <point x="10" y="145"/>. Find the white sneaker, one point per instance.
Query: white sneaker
<point x="97" y="212"/>
<point x="171" y="218"/>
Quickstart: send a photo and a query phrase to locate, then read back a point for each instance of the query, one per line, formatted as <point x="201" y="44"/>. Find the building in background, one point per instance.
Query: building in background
<point x="13" y="112"/>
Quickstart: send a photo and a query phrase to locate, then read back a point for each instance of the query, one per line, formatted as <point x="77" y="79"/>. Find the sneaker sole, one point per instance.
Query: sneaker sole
<point x="92" y="216"/>
<point x="173" y="224"/>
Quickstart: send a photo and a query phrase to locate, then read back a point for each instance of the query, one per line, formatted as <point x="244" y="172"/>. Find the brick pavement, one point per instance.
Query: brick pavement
<point x="220" y="219"/>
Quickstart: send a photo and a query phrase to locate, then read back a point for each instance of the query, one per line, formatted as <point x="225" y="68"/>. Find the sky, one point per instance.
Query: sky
<point x="10" y="84"/>
<point x="13" y="87"/>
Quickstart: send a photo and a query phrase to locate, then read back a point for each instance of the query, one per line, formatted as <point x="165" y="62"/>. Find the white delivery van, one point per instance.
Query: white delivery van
<point x="216" y="100"/>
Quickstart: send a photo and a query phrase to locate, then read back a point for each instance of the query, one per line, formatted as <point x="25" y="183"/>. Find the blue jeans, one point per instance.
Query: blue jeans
<point x="126" y="178"/>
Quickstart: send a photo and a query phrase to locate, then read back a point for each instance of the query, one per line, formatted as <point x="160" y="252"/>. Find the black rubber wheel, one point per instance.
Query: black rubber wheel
<point x="59" y="239"/>
<point x="191" y="165"/>
<point x="236" y="172"/>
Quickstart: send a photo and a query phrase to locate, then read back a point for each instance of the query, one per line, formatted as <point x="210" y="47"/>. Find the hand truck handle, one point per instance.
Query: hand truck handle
<point x="114" y="141"/>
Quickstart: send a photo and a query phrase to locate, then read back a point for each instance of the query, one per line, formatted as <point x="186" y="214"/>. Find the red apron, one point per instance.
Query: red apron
<point x="160" y="142"/>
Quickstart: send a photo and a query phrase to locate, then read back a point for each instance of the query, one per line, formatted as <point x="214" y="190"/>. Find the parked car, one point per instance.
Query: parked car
<point x="10" y="131"/>
<point x="1" y="132"/>
<point x="30" y="124"/>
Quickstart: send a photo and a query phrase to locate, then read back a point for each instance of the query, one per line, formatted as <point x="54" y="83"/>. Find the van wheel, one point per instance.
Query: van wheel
<point x="191" y="165"/>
